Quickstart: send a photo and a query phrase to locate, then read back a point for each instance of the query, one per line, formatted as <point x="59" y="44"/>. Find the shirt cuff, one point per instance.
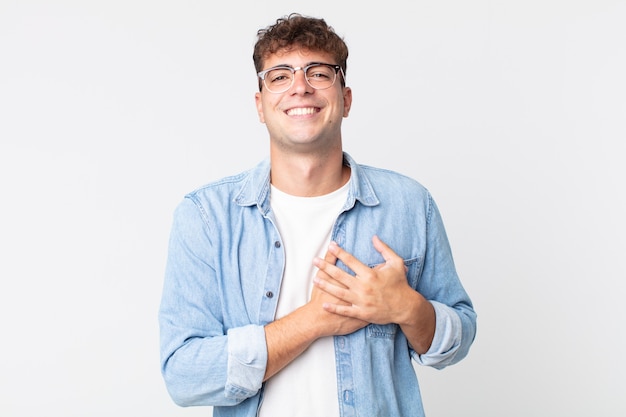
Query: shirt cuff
<point x="247" y="360"/>
<point x="447" y="339"/>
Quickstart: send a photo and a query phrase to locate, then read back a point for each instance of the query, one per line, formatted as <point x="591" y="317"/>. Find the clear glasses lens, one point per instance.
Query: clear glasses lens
<point x="280" y="79"/>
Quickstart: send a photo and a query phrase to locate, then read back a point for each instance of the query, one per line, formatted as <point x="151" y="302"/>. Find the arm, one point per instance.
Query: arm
<point x="203" y="362"/>
<point x="207" y="362"/>
<point x="441" y="336"/>
<point x="379" y="295"/>
<point x="440" y="284"/>
<point x="291" y="335"/>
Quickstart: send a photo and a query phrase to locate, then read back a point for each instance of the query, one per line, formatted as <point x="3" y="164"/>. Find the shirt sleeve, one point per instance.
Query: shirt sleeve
<point x="440" y="284"/>
<point x="447" y="339"/>
<point x="247" y="360"/>
<point x="203" y="363"/>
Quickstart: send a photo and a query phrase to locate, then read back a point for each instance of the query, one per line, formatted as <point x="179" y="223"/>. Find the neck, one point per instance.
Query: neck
<point x="308" y="175"/>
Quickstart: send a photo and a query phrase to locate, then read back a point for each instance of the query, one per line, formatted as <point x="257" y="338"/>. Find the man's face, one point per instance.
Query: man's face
<point x="303" y="119"/>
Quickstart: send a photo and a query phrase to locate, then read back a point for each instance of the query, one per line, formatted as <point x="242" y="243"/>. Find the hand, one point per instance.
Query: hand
<point x="289" y="336"/>
<point x="376" y="295"/>
<point x="333" y="324"/>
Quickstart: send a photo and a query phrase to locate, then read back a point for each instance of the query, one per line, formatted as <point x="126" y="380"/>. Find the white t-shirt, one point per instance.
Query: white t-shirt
<point x="306" y="387"/>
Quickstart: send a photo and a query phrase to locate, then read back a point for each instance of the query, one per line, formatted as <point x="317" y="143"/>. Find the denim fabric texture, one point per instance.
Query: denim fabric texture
<point x="223" y="278"/>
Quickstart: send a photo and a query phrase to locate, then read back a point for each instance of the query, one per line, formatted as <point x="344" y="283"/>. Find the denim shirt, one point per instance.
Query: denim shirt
<point x="223" y="278"/>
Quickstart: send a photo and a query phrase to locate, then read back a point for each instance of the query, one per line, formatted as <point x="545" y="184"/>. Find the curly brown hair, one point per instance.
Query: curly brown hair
<point x="297" y="31"/>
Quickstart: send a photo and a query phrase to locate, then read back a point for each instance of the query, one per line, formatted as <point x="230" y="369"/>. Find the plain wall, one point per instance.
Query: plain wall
<point x="512" y="113"/>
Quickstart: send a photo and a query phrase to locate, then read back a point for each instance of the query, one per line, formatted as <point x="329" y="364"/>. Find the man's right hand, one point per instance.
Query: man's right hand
<point x="332" y="324"/>
<point x="289" y="336"/>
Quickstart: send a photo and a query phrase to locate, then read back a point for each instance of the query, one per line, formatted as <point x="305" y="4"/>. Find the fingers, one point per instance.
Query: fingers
<point x="357" y="266"/>
<point x="323" y="268"/>
<point x="332" y="280"/>
<point x="329" y="276"/>
<point x="371" y="293"/>
<point x="330" y="257"/>
<point x="342" y="310"/>
<point x="387" y="253"/>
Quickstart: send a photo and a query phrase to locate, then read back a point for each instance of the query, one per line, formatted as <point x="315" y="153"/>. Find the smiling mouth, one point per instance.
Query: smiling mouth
<point x="302" y="111"/>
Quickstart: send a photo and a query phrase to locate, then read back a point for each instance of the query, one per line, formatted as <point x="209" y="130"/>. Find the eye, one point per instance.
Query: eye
<point x="320" y="73"/>
<point x="278" y="76"/>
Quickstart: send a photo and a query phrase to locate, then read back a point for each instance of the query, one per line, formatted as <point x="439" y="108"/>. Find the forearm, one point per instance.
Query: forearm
<point x="291" y="335"/>
<point x="287" y="338"/>
<point x="418" y="323"/>
<point x="217" y="370"/>
<point x="455" y="331"/>
<point x="191" y="380"/>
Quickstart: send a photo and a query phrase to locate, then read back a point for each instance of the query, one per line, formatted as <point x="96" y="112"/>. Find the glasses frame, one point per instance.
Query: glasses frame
<point x="337" y="68"/>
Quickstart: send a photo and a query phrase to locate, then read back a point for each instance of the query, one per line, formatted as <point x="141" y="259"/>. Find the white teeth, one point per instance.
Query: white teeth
<point x="301" y="111"/>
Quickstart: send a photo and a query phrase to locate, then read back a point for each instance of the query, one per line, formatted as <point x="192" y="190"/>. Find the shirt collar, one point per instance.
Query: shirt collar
<point x="256" y="188"/>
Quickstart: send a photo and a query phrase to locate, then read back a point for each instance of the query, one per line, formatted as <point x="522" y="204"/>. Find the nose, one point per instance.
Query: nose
<point x="300" y="84"/>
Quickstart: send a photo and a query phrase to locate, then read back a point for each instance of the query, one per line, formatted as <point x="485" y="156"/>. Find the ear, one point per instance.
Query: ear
<point x="347" y="101"/>
<point x="259" y="107"/>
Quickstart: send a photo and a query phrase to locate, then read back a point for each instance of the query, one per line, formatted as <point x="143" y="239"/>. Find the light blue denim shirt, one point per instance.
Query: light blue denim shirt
<point x="222" y="284"/>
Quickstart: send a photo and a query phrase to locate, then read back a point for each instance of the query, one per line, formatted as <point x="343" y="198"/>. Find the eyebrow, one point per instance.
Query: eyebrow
<point x="305" y="65"/>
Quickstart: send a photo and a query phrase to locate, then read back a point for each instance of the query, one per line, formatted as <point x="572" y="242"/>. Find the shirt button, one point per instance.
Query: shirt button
<point x="348" y="397"/>
<point x="269" y="294"/>
<point x="277" y="244"/>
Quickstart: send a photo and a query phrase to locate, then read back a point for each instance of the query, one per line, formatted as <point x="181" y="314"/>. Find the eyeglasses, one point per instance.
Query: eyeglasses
<point x="318" y="75"/>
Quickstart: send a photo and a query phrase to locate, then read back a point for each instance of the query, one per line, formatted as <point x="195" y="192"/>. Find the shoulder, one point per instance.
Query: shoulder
<point x="244" y="188"/>
<point x="388" y="181"/>
<point x="224" y="186"/>
<point x="214" y="199"/>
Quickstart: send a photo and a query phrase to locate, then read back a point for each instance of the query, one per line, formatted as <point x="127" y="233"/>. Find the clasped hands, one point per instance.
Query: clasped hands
<point x="372" y="295"/>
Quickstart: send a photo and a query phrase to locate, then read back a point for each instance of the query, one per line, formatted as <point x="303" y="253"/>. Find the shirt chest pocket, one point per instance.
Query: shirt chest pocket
<point x="388" y="331"/>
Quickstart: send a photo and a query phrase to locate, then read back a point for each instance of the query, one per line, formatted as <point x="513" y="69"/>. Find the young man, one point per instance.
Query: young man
<point x="307" y="285"/>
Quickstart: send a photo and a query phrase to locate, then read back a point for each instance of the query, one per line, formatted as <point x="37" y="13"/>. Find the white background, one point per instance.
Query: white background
<point x="511" y="112"/>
